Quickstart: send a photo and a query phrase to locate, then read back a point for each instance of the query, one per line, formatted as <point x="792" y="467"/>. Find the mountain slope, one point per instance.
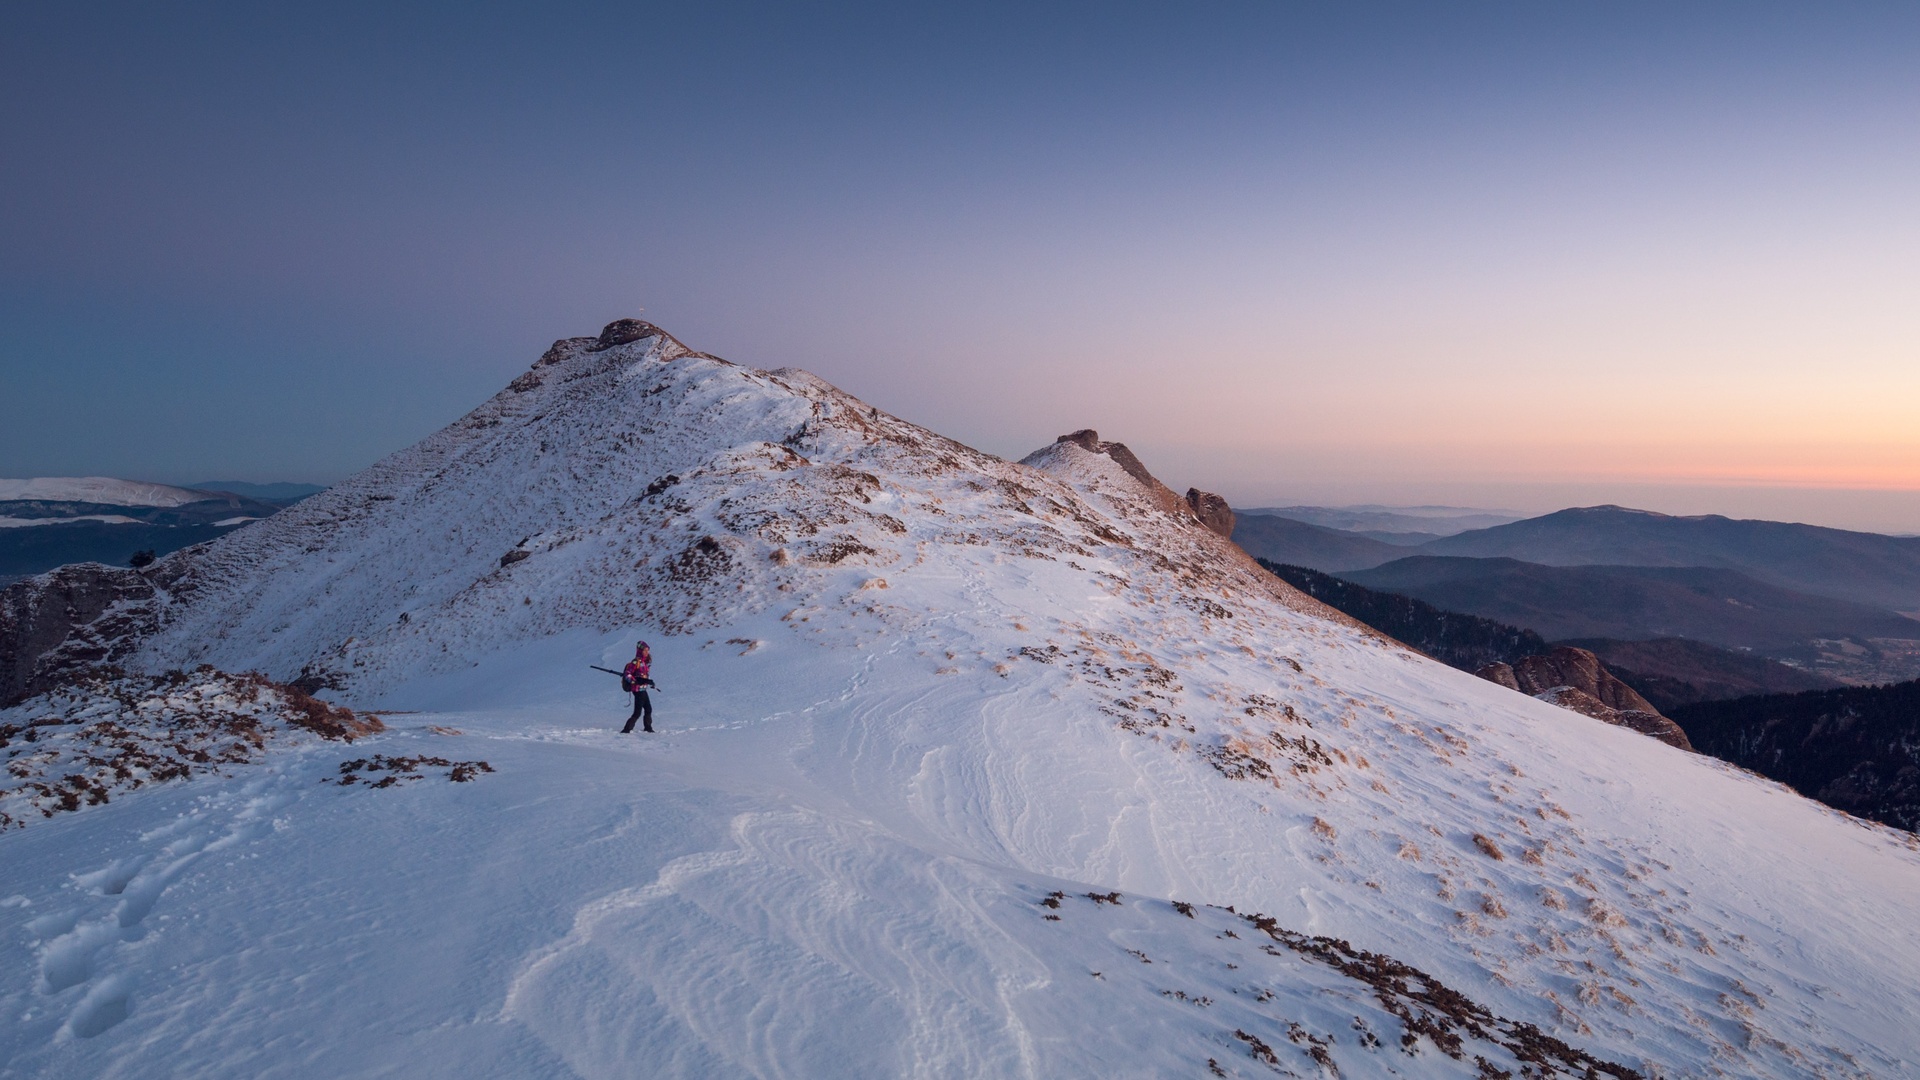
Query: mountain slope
<point x="1298" y="543"/>
<point x="1515" y="658"/>
<point x="1467" y="642"/>
<point x="1721" y="607"/>
<point x="1667" y="671"/>
<point x="1864" y="568"/>
<point x="664" y="488"/>
<point x="910" y="692"/>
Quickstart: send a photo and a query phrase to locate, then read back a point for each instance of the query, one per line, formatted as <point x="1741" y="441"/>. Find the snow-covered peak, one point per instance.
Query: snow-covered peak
<point x="640" y="483"/>
<point x="101" y="490"/>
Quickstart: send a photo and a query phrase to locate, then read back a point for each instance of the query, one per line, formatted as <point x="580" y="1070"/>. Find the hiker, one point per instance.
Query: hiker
<point x="635" y="681"/>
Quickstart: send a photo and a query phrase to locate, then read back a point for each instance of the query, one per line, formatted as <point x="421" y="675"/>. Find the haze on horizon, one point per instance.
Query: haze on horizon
<point x="1506" y="255"/>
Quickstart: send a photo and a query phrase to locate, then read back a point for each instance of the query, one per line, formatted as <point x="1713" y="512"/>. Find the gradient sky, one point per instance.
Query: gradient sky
<point x="1520" y="255"/>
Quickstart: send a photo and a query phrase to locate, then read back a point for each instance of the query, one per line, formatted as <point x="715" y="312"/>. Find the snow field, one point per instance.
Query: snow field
<point x="631" y="918"/>
<point x="716" y="902"/>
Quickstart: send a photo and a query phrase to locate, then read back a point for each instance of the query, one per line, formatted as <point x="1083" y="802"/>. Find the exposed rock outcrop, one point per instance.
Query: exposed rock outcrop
<point x="1580" y="669"/>
<point x="1189" y="507"/>
<point x="622" y="331"/>
<point x="67" y="619"/>
<point x="1212" y="510"/>
<point x="1576" y="679"/>
<point x="1089" y="439"/>
<point x="105" y="733"/>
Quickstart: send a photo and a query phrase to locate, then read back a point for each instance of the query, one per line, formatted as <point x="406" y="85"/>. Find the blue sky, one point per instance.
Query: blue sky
<point x="1509" y="254"/>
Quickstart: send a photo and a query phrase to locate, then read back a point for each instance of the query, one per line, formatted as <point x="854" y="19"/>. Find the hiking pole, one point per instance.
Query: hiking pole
<point x="610" y="671"/>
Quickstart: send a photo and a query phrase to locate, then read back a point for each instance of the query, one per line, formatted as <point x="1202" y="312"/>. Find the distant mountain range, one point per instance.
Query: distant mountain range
<point x="51" y="521"/>
<point x="1668" y="672"/>
<point x="1864" y="568"/>
<point x="1852" y="642"/>
<point x="1401" y="525"/>
<point x="1723" y="607"/>
<point x="95" y="490"/>
<point x="280" y="493"/>
<point x="1854" y="748"/>
<point x="1289" y="542"/>
<point x="1845" y="605"/>
<point x="1467" y="642"/>
<point x="1654" y="599"/>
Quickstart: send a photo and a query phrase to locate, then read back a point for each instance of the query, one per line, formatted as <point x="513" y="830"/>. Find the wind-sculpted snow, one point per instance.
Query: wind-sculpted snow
<point x="908" y="692"/>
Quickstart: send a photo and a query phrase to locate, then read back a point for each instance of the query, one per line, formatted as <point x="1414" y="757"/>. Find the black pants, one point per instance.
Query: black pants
<point x="642" y="710"/>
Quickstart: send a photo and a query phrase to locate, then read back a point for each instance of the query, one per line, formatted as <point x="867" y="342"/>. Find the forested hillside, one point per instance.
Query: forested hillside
<point x="1857" y="749"/>
<point x="1467" y="642"/>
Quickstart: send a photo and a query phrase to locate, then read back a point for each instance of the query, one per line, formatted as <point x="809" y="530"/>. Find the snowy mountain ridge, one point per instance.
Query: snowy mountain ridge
<point x="637" y="483"/>
<point x="957" y="755"/>
<point x="101" y="490"/>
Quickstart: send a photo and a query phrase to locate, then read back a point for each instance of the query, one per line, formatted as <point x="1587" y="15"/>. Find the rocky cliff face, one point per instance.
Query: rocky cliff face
<point x="1576" y="679"/>
<point x="1212" y="510"/>
<point x="67" y="620"/>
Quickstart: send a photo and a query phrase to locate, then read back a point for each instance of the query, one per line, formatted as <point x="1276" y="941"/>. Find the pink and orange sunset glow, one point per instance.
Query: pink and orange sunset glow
<point x="1517" y="255"/>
